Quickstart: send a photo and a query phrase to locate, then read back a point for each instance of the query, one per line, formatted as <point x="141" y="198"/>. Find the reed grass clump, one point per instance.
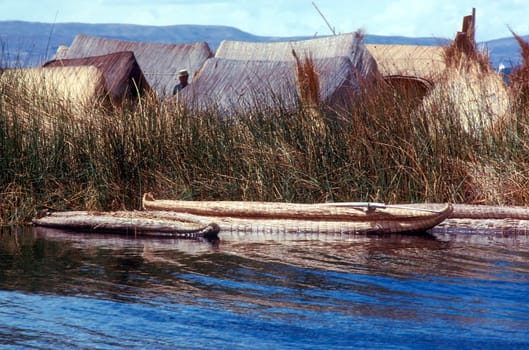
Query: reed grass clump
<point x="384" y="148"/>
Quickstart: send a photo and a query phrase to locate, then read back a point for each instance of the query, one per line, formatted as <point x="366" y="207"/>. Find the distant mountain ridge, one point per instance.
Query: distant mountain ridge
<point x="32" y="43"/>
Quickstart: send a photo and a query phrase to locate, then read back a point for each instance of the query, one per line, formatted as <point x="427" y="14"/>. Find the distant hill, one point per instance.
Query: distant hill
<point x="32" y="43"/>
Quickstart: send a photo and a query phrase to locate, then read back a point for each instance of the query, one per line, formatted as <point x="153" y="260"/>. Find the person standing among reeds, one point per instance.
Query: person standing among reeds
<point x="183" y="77"/>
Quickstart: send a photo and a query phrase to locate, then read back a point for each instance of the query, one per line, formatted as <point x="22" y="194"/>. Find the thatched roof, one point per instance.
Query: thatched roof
<point x="232" y="86"/>
<point x="78" y="86"/>
<point x="324" y="47"/>
<point x="344" y="45"/>
<point x="123" y="76"/>
<point x="159" y="62"/>
<point x="426" y="62"/>
<point x="248" y="75"/>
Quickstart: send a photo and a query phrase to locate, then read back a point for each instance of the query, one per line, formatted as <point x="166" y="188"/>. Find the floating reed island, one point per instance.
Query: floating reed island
<point x="355" y="125"/>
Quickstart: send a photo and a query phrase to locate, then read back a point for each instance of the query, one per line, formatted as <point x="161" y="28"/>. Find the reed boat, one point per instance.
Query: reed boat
<point x="137" y="223"/>
<point x="275" y="217"/>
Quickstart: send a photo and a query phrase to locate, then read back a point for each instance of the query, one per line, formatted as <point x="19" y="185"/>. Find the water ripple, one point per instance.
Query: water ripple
<point x="63" y="290"/>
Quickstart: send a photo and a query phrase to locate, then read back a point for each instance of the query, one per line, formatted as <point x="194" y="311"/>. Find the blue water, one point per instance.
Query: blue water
<point x="62" y="290"/>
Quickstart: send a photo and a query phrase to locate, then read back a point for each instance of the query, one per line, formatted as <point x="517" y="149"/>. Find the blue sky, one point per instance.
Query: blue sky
<point x="415" y="18"/>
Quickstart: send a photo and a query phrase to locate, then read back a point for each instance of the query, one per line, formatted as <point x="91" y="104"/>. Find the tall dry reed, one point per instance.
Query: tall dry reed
<point x="384" y="148"/>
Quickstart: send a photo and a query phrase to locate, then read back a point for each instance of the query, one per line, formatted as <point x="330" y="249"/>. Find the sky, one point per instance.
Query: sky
<point x="412" y="18"/>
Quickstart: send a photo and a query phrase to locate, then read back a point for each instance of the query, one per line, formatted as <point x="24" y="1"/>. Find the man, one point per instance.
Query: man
<point x="183" y="77"/>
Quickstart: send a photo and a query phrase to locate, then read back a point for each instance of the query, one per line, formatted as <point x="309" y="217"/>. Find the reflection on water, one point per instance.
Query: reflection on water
<point x="60" y="289"/>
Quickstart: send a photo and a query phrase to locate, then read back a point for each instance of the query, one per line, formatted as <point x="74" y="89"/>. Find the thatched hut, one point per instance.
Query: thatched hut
<point x="76" y="86"/>
<point x="411" y="70"/>
<point x="159" y="62"/>
<point x="236" y="86"/>
<point x="246" y="75"/>
<point x="348" y="45"/>
<point x="122" y="74"/>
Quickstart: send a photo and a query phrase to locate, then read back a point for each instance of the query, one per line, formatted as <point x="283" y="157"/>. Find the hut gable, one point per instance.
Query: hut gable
<point x="80" y="87"/>
<point x="122" y="74"/>
<point x="425" y="62"/>
<point x="159" y="62"/>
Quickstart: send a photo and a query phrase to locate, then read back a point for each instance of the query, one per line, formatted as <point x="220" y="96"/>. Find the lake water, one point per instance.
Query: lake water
<point x="61" y="290"/>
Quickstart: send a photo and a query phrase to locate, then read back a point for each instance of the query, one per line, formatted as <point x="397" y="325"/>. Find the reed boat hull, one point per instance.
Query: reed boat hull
<point x="138" y="223"/>
<point x="274" y="217"/>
